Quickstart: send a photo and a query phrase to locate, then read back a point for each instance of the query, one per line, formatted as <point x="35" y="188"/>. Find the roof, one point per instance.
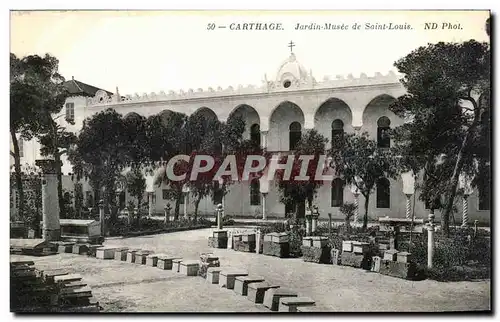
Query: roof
<point x="76" y="87"/>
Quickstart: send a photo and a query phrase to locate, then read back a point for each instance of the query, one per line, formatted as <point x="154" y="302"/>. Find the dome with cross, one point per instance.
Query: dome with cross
<point x="291" y="70"/>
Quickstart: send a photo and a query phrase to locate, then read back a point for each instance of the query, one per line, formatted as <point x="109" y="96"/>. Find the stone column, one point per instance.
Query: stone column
<point x="408" y="206"/>
<point x="263" y="141"/>
<point x="150" y="204"/>
<point x="51" y="230"/>
<point x="356" y="212"/>
<point x="186" y="200"/>
<point x="314" y="219"/>
<point x="167" y="213"/>
<point x="476" y="222"/>
<point x="257" y="241"/>
<point x="465" y="211"/>
<point x="264" y="214"/>
<point x="430" y="240"/>
<point x="308" y="222"/>
<point x="219" y="216"/>
<point x="329" y="224"/>
<point x="101" y="217"/>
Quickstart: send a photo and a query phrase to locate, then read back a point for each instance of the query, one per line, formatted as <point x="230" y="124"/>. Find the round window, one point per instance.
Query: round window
<point x="287" y="84"/>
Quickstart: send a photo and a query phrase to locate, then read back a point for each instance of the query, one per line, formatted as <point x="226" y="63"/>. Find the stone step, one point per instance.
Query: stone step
<point x="256" y="291"/>
<point x="228" y="277"/>
<point x="273" y="295"/>
<point x="241" y="283"/>
<point x="290" y="304"/>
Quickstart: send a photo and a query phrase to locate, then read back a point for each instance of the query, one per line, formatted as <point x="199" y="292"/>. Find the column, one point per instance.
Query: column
<point x="308" y="222"/>
<point x="263" y="139"/>
<point x="408" y="206"/>
<point x="465" y="211"/>
<point x="186" y="200"/>
<point x="219" y="216"/>
<point x="167" y="213"/>
<point x="51" y="230"/>
<point x="150" y="204"/>
<point x="329" y="223"/>
<point x="264" y="214"/>
<point x="314" y="219"/>
<point x="430" y="240"/>
<point x="101" y="217"/>
<point x="356" y="212"/>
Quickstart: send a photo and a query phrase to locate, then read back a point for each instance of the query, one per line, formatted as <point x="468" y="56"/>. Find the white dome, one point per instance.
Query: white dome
<point x="291" y="70"/>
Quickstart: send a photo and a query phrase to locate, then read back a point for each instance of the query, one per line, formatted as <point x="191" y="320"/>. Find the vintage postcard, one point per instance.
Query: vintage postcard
<point x="250" y="161"/>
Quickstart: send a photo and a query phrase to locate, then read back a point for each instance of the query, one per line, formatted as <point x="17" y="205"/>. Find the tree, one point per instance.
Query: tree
<point x="361" y="163"/>
<point x="298" y="192"/>
<point x="136" y="184"/>
<point x="444" y="84"/>
<point x="36" y="91"/>
<point x="100" y="154"/>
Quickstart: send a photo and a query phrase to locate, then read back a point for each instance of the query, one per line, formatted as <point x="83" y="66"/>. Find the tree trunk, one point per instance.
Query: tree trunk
<point x="60" y="196"/>
<point x="196" y="204"/>
<point x="177" y="206"/>
<point x="445" y="216"/>
<point x="365" y="216"/>
<point x="18" y="175"/>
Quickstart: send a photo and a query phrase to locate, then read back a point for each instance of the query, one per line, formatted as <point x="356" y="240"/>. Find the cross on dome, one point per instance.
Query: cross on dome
<point x="291" y="45"/>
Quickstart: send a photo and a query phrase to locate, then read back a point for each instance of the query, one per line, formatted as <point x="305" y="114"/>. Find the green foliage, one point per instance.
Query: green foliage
<point x="361" y="163"/>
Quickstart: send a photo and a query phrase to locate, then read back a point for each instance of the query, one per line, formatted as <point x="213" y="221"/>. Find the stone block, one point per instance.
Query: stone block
<point x="355" y="260"/>
<point x="93" y="249"/>
<point x="398" y="269"/>
<point x="360" y="247"/>
<point x="280" y="238"/>
<point x="189" y="268"/>
<point x="241" y="283"/>
<point x="105" y="253"/>
<point x="213" y="275"/>
<point x="205" y="266"/>
<point x="65" y="248"/>
<point x="141" y="256"/>
<point x="176" y="264"/>
<point x="256" y="291"/>
<point x="307" y="241"/>
<point x="335" y="255"/>
<point x="121" y="254"/>
<point x="219" y="234"/>
<point x="347" y="246"/>
<point x="390" y="255"/>
<point x="248" y="238"/>
<point x="273" y="295"/>
<point x="290" y="304"/>
<point x="227" y="278"/>
<point x="152" y="260"/>
<point x="404" y="257"/>
<point x="316" y="254"/>
<point x="281" y="250"/>
<point x="242" y="246"/>
<point x="165" y="262"/>
<point x="80" y="249"/>
<point x="376" y="264"/>
<point x="269" y="237"/>
<point x="217" y="242"/>
<point x="319" y="241"/>
<point x="131" y="255"/>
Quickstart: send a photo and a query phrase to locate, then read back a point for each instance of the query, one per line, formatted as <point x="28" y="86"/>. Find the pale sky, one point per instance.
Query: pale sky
<point x="150" y="51"/>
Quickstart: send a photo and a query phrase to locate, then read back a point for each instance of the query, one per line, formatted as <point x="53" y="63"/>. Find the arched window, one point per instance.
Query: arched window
<point x="255" y="134"/>
<point x="383" y="137"/>
<point x="295" y="135"/>
<point x="255" y="192"/>
<point x="383" y="193"/>
<point x="337" y="132"/>
<point x="337" y="192"/>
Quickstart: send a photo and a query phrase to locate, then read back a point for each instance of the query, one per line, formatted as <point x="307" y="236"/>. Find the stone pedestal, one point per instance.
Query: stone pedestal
<point x="228" y="277"/>
<point x="213" y="275"/>
<point x="65" y="247"/>
<point x="218" y="239"/>
<point x="106" y="253"/>
<point x="80" y="249"/>
<point x="131" y="255"/>
<point x="256" y="291"/>
<point x="247" y="243"/>
<point x="276" y="244"/>
<point x="165" y="262"/>
<point x="176" y="265"/>
<point x="241" y="283"/>
<point x="189" y="268"/>
<point x="291" y="304"/>
<point x="141" y="256"/>
<point x="207" y="261"/>
<point x="152" y="260"/>
<point x="121" y="254"/>
<point x="51" y="230"/>
<point x="319" y="252"/>
<point x="398" y="269"/>
<point x="273" y="296"/>
<point x="355" y="260"/>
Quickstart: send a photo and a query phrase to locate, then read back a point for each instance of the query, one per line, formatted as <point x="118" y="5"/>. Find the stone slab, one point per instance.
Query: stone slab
<point x="65" y="248"/>
<point x="213" y="275"/>
<point x="141" y="256"/>
<point x="404" y="257"/>
<point x="121" y="254"/>
<point x="217" y="242"/>
<point x="152" y="260"/>
<point x="228" y="277"/>
<point x="307" y="241"/>
<point x="360" y="247"/>
<point x="131" y="255"/>
<point x="80" y="249"/>
<point x="281" y="250"/>
<point x="166" y="262"/>
<point x="189" y="267"/>
<point x="347" y="246"/>
<point x="398" y="269"/>
<point x="93" y="249"/>
<point x="273" y="295"/>
<point x="316" y="254"/>
<point x="256" y="291"/>
<point x="355" y="260"/>
<point x="248" y="237"/>
<point x="290" y="304"/>
<point x="241" y="283"/>
<point x="280" y="238"/>
<point x="105" y="253"/>
<point x="391" y="255"/>
<point x="176" y="265"/>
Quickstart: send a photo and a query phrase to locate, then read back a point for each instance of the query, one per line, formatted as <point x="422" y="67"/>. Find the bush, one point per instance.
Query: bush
<point x="295" y="239"/>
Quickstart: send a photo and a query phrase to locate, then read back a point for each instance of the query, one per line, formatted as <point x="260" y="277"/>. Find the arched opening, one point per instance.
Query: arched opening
<point x="337" y="132"/>
<point x="278" y="136"/>
<point x="255" y="192"/>
<point x="295" y="135"/>
<point x="337" y="192"/>
<point x="383" y="132"/>
<point x="377" y="108"/>
<point x="247" y="114"/>
<point x="255" y="134"/>
<point x="383" y="193"/>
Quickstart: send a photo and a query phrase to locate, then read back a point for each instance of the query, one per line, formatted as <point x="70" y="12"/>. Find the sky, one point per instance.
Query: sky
<point x="152" y="51"/>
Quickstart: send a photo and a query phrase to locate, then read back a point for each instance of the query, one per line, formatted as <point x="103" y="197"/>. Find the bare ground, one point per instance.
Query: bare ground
<point x="125" y="287"/>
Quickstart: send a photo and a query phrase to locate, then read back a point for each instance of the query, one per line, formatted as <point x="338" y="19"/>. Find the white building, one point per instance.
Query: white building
<point x="277" y="109"/>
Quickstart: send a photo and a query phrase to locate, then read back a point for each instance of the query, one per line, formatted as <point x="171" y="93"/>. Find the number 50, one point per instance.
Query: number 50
<point x="211" y="26"/>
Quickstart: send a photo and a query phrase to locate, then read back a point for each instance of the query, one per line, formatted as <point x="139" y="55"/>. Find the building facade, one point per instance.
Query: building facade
<point x="293" y="101"/>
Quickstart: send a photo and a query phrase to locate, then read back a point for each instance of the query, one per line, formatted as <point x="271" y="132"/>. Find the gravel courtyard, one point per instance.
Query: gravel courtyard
<point x="125" y="287"/>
